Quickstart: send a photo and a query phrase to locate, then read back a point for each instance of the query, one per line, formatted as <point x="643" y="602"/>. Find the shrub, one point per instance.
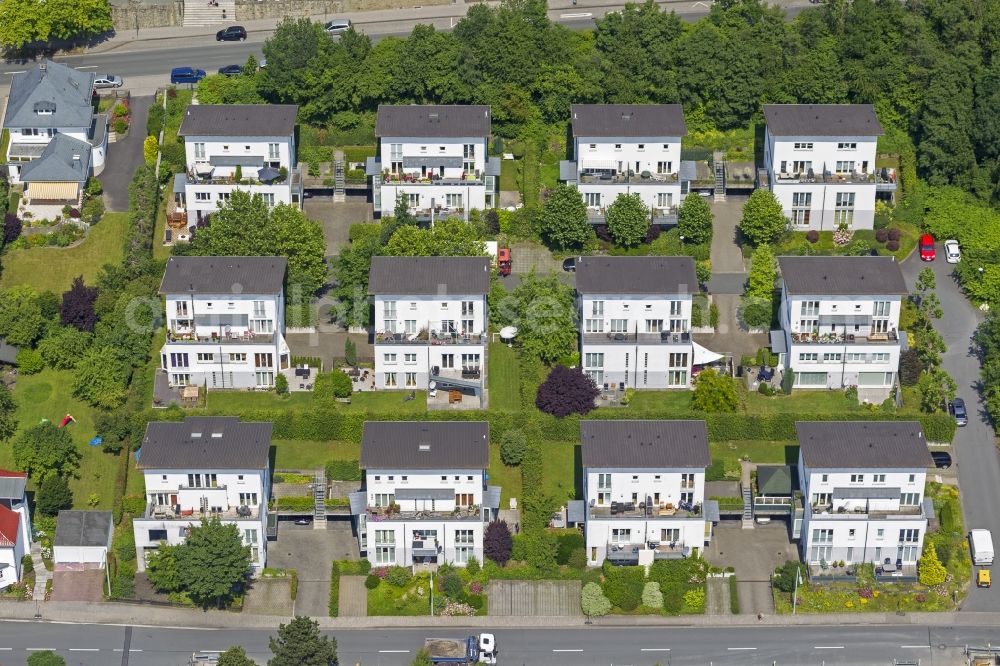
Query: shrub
<point x="497" y="542"/>
<point x="812" y="236"/>
<point x="894" y="234"/>
<point x="593" y="602"/>
<point x="119" y="125"/>
<point x="398" y="576"/>
<point x="651" y="595"/>
<point x="567" y="544"/>
<point x="281" y="385"/>
<point x="513" y="446"/>
<point x="451" y="583"/>
<point x="566" y="391"/>
<point x="29" y="361"/>
<point x="931" y="571"/>
<point x="694" y="600"/>
<point x="624" y="586"/>
<point x="892" y="246"/>
<point x="372" y="581"/>
<point x="93" y="210"/>
<point x="473" y="567"/>
<point x="341" y="384"/>
<point x="882" y="235"/>
<point x="343" y="470"/>
<point x="124" y="544"/>
<point x="784" y="575"/>
<point x="350" y="352"/>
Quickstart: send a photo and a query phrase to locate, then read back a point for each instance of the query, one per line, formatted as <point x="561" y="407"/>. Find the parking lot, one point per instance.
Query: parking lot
<point x="310" y="551"/>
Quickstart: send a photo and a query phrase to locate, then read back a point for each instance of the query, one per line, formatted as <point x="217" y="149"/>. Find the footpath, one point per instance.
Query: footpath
<point x="126" y="614"/>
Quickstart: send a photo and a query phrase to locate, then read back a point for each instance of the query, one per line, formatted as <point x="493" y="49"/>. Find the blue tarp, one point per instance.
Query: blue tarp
<point x="96" y="441"/>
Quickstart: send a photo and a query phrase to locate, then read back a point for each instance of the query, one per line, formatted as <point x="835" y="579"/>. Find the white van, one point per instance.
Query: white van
<point x="981" y="546"/>
<point x="337" y="26"/>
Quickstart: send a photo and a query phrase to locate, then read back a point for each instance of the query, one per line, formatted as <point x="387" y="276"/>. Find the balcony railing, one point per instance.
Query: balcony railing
<point x="470" y="374"/>
<point x="433" y="337"/>
<point x="467" y="178"/>
<point x="232" y="337"/>
<point x="657" y="215"/>
<point x="629" y="552"/>
<point x="841" y="512"/>
<point x="464" y="513"/>
<point x="661" y="338"/>
<point x="627" y="178"/>
<point x="194" y="178"/>
<point x="829" y="177"/>
<point x="176" y="512"/>
<point x="641" y="510"/>
<point x="892" y="337"/>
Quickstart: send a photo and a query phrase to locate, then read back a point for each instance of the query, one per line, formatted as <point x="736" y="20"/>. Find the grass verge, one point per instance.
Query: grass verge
<point x="503" y="384"/>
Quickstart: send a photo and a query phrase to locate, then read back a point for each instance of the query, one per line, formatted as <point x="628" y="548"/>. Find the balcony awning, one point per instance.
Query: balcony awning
<point x="576" y="512"/>
<point x="491" y="498"/>
<point x="180" y="181"/>
<point x="711" y="510"/>
<point x="432" y="162"/>
<point x="359" y="501"/>
<point x="492" y="166"/>
<point x="599" y="165"/>
<point x="236" y="160"/>
<point x="567" y="170"/>
<point x="220" y="319"/>
<point x="845" y="319"/>
<point x="54" y="191"/>
<point x="703" y="356"/>
<point x="866" y="493"/>
<point x="425" y="494"/>
<point x="372" y="166"/>
<point x="688" y="170"/>
<point x="777" y="341"/>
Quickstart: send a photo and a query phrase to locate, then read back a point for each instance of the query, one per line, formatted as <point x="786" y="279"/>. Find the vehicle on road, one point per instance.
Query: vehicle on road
<point x="569" y="264"/>
<point x="186" y="75"/>
<point x="504" y="262"/>
<point x="234" y="33"/>
<point x="337" y="26"/>
<point x="481" y="649"/>
<point x="942" y="459"/>
<point x="983" y="578"/>
<point x="231" y="70"/>
<point x="981" y="547"/>
<point x="952" y="253"/>
<point x="957" y="409"/>
<point x="927" y="251"/>
<point x="108" y="81"/>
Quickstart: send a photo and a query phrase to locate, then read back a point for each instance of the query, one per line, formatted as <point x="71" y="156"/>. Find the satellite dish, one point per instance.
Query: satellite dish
<point x="432" y="385"/>
<point x="508" y="332"/>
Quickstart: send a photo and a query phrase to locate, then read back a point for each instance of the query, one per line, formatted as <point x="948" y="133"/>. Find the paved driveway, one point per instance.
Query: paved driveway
<point x="124" y="157"/>
<point x="754" y="554"/>
<point x="310" y="552"/>
<point x="975" y="444"/>
<point x="337" y="218"/>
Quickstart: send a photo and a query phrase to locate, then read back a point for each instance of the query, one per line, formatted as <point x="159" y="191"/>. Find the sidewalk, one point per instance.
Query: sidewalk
<point x="144" y="615"/>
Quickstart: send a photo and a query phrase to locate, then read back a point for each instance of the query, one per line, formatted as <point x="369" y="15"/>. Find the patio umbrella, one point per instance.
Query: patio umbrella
<point x="267" y="173"/>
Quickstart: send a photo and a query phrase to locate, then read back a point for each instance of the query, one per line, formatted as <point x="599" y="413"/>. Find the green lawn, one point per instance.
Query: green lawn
<point x="47" y="395"/>
<point x="238" y="401"/>
<point x="508" y="175"/>
<point x="795" y="242"/>
<point x="674" y="401"/>
<point x="759" y="451"/>
<point x="309" y="454"/>
<point x="818" y="401"/>
<point x="388" y="599"/>
<point x="503" y="385"/>
<point x="53" y="268"/>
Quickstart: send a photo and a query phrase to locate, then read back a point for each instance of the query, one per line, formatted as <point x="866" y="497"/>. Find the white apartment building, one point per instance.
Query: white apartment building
<point x="225" y="321"/>
<point x="840" y="322"/>
<point x="435" y="156"/>
<point x="257" y="139"/>
<point x="863" y="485"/>
<point x="627" y="149"/>
<point x="635" y="321"/>
<point x="644" y="490"/>
<point x="820" y="162"/>
<point x="425" y="499"/>
<point x="430" y="322"/>
<point x="56" y="139"/>
<point x="204" y="467"/>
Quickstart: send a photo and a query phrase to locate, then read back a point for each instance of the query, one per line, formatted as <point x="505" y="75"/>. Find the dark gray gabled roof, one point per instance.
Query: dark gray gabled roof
<point x="636" y="275"/>
<point x="425" y="445"/>
<point x="224" y="275"/>
<point x="644" y="444"/>
<point x="428" y="276"/>
<point x="205" y="442"/>
<point x="822" y="120"/>
<point x="842" y="276"/>
<point x="433" y="120"/>
<point x="50" y="86"/>
<point x="863" y="445"/>
<point x="64" y="160"/>
<point x="89" y="529"/>
<point x="628" y="120"/>
<point x="239" y="120"/>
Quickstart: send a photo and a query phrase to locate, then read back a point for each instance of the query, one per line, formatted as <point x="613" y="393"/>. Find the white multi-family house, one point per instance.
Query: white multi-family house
<point x="204" y="467"/>
<point x="225" y="321"/>
<point x="425" y="498"/>
<point x="635" y="321"/>
<point x="863" y="486"/>
<point x="56" y="139"/>
<point x="820" y="163"/>
<point x="434" y="156"/>
<point x="840" y="322"/>
<point x="430" y="322"/>
<point x="644" y="490"/>
<point x="15" y="525"/>
<point x="228" y="147"/>
<point x="627" y="149"/>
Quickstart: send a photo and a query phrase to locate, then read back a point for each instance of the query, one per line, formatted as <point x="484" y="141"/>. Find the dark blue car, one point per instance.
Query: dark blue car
<point x="186" y="75"/>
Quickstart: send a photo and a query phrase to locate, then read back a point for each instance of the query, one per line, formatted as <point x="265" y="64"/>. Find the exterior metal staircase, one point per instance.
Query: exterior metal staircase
<point x="339" y="194"/>
<point x="719" y="161"/>
<point x="747" y="509"/>
<point x="319" y="498"/>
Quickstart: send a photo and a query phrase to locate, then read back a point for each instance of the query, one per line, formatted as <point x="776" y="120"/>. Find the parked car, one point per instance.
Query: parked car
<point x="983" y="578"/>
<point x="569" y="264"/>
<point x="927" y="252"/>
<point x="108" y="81"/>
<point x="957" y="409"/>
<point x="231" y="70"/>
<point x="303" y="521"/>
<point x="186" y="75"/>
<point x="952" y="254"/>
<point x="337" y="26"/>
<point x="942" y="459"/>
<point x="234" y="33"/>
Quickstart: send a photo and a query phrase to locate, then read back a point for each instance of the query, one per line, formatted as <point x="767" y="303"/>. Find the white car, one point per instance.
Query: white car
<point x="108" y="81"/>
<point x="487" y="649"/>
<point x="951" y="252"/>
<point x="337" y="27"/>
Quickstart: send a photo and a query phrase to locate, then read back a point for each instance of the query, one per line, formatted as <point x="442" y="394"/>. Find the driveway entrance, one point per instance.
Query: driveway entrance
<point x="755" y="554"/>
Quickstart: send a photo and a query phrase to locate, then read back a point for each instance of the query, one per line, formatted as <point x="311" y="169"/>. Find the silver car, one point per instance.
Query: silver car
<point x="108" y="81"/>
<point x="337" y="26"/>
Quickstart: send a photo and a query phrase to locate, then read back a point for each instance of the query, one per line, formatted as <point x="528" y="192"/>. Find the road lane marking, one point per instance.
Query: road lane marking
<point x="6" y="649"/>
<point x="580" y="15"/>
<point x="85" y="649"/>
<point x="40" y="649"/>
<point x="654" y="650"/>
<point x="567" y="650"/>
<point x="86" y="67"/>
<point x="130" y="650"/>
<point x="394" y="652"/>
<point x="742" y="648"/>
<point x="919" y="647"/>
<point x="828" y="647"/>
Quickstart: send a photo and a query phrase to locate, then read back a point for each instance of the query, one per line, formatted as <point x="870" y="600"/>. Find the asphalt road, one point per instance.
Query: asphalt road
<point x="975" y="444"/>
<point x="99" y="645"/>
<point x="157" y="57"/>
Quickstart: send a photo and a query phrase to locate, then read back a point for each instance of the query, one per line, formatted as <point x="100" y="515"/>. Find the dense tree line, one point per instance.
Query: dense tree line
<point x="929" y="67"/>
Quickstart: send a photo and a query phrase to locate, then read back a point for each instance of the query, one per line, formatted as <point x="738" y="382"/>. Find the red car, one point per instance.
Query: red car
<point x="927" y="252"/>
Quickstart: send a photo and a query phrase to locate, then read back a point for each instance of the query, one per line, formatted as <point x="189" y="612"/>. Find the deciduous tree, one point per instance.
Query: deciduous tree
<point x="54" y="495"/>
<point x="101" y="378"/>
<point x="564" y="218"/>
<point x="163" y="569"/>
<point x="763" y="219"/>
<point x="544" y="311"/>
<point x="628" y="220"/>
<point x="235" y="656"/>
<point x="593" y="603"/>
<point x="299" y="643"/>
<point x="714" y="393"/>
<point x="498" y="542"/>
<point x="694" y="220"/>
<point x="45" y="449"/>
<point x="935" y="387"/>
<point x="931" y="571"/>
<point x="78" y="306"/>
<point x="566" y="391"/>
<point x="21" y="319"/>
<point x="8" y="408"/>
<point x="213" y="562"/>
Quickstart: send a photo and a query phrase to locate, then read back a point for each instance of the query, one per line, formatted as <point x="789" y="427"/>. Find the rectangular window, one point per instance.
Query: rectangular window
<point x="808" y="326"/>
<point x="382" y="500"/>
<point x="847" y="146"/>
<point x="880" y="357"/>
<point x="273" y="151"/>
<point x="594" y="326"/>
<point x="621" y="535"/>
<point x="202" y="196"/>
<point x="395" y="151"/>
<point x="909" y="536"/>
<point x="597" y="308"/>
<point x="470" y="363"/>
<point x="857" y="478"/>
<point x="909" y="499"/>
<point x="845" y="167"/>
<point x="676" y="308"/>
<point x="249" y="499"/>
<point x="263" y="360"/>
<point x="388" y="358"/>
<point x="664" y="199"/>
<point x="263" y="326"/>
<point x="592" y="199"/>
<point x="390" y="380"/>
<point x="411" y="380"/>
<point x="619" y="325"/>
<point x="385" y="554"/>
<point x="822" y="536"/>
<point x="882" y="308"/>
<point x="592" y="360"/>
<point x="810" y="378"/>
<point x="199" y="151"/>
<point x="178" y="360"/>
<point x="654" y="325"/>
<point x="832" y="357"/>
<point x="265" y="379"/>
<point x="677" y="360"/>
<point x="410" y="326"/>
<point x="878" y="478"/>
<point x="801" y="208"/>
<point x="677" y="377"/>
<point x="409" y="358"/>
<point x="809" y="356"/>
<point x="843" y="212"/>
<point x="469" y="151"/>
<point x="663" y="167"/>
<point x="453" y="200"/>
<point x="250" y="536"/>
<point x="205" y="358"/>
<point x="809" y="308"/>
<point x="855" y="357"/>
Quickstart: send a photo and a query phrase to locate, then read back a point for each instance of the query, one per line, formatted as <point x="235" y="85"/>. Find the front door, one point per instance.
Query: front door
<point x="173" y="500"/>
